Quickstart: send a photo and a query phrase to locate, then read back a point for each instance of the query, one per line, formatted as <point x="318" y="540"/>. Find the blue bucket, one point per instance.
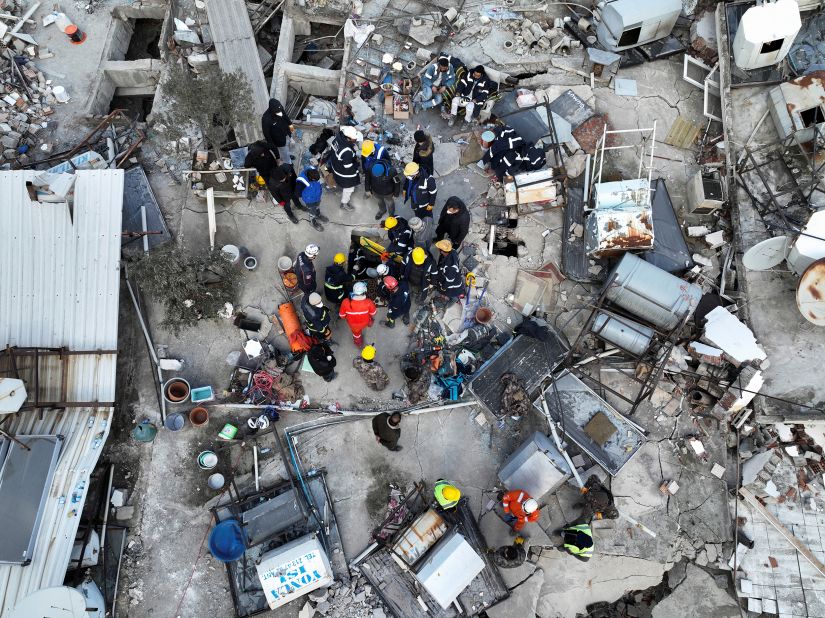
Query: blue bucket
<point x="226" y="541"/>
<point x="175" y="421"/>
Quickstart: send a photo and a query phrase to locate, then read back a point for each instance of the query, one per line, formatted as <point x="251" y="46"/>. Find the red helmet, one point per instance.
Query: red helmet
<point x="390" y="282"/>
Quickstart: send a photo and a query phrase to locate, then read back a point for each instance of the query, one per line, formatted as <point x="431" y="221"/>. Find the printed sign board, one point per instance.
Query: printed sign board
<point x="293" y="570"/>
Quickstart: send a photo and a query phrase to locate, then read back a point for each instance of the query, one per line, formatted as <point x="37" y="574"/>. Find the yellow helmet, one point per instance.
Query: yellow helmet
<point x="368" y="353"/>
<point x="260" y="180"/>
<point x="339" y="258"/>
<point x="418" y="255"/>
<point x="367" y="148"/>
<point x="411" y="169"/>
<point x="451" y="493"/>
<point x="390" y="222"/>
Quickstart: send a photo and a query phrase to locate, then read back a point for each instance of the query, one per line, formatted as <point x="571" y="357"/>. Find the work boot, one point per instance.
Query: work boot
<point x="388" y="323"/>
<point x="316" y="224"/>
<point x="451" y="121"/>
<point x="406" y="320"/>
<point x="347" y="207"/>
<point x="292" y="218"/>
<point x="380" y="215"/>
<point x="323" y="218"/>
<point x="397" y="447"/>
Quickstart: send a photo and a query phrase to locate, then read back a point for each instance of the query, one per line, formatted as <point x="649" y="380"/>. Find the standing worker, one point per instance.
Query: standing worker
<point x="305" y="269"/>
<point x="400" y="236"/>
<point x="322" y="361"/>
<point x="359" y="312"/>
<point x="283" y="189"/>
<point x="398" y="301"/>
<point x="454" y="222"/>
<point x="420" y="191"/>
<point x="308" y="188"/>
<point x="448" y="280"/>
<point x="420" y="271"/>
<point x="578" y="541"/>
<point x="277" y="129"/>
<point x="386" y="428"/>
<point x="382" y="179"/>
<point x="336" y="279"/>
<point x="446" y="494"/>
<point x="372" y="372"/>
<point x="343" y="163"/>
<point x="423" y="150"/>
<point x="519" y="508"/>
<point x="317" y="316"/>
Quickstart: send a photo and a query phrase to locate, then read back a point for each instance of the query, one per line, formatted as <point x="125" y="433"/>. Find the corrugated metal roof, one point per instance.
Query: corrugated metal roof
<point x="237" y="51"/>
<point x="59" y="287"/>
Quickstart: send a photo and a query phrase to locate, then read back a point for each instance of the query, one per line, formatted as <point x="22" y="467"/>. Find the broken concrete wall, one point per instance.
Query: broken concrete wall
<point x="305" y="78"/>
<point x="133" y="74"/>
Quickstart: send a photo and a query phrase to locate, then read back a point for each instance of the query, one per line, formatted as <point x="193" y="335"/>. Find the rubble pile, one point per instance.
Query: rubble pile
<point x="354" y="600"/>
<point x="193" y="41"/>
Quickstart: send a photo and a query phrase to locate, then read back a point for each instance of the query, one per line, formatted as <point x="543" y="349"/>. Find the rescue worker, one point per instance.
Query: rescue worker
<point x="472" y="92"/>
<point x="578" y="541"/>
<point x="308" y="188"/>
<point x="454" y="222"/>
<point x="283" y="189"/>
<point x="437" y="77"/>
<point x="372" y="152"/>
<point x="423" y="150"/>
<point x="343" y="163"/>
<point x="277" y="129"/>
<point x="510" y="556"/>
<point x="387" y="430"/>
<point x="448" y="280"/>
<point x="382" y="179"/>
<point x="598" y="501"/>
<point x="502" y="151"/>
<point x="322" y="361"/>
<point x="420" y="191"/>
<point x="336" y="279"/>
<point x="316" y="316"/>
<point x="446" y="494"/>
<point x="420" y="271"/>
<point x="533" y="158"/>
<point x="373" y="373"/>
<point x="260" y="156"/>
<point x="400" y="236"/>
<point x="305" y="269"/>
<point x="398" y="301"/>
<point x="519" y="508"/>
<point x="359" y="312"/>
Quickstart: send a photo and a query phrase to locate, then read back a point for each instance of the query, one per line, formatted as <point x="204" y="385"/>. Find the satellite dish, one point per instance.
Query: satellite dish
<point x="810" y="293"/>
<point x="766" y="254"/>
<point x="12" y="395"/>
<point x="58" y="602"/>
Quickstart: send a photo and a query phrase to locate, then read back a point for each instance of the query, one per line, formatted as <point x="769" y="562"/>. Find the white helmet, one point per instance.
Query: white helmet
<point x="530" y="505"/>
<point x="312" y="250"/>
<point x="360" y="288"/>
<point x="350" y="132"/>
<point x="315" y="299"/>
<point x="382" y="269"/>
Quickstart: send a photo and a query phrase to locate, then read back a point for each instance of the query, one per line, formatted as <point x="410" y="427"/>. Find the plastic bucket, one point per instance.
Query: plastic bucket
<point x="483" y="315"/>
<point x="250" y="263"/>
<point x="226" y="541"/>
<point x="175" y="421"/>
<point x="199" y="416"/>
<point x="284" y="263"/>
<point x="231" y="253"/>
<point x="215" y="481"/>
<point x="176" y="390"/>
<point x="207" y="460"/>
<point x="145" y="432"/>
<point x="228" y="432"/>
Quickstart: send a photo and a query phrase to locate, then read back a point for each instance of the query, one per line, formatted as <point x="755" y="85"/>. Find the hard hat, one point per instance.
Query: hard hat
<point x="397" y="66"/>
<point x="315" y="299"/>
<point x="390" y="222"/>
<point x="488" y="136"/>
<point x="350" y="132"/>
<point x="390" y="282"/>
<point x="416" y="224"/>
<point x="419" y="255"/>
<point x="530" y="505"/>
<point x="368" y="353"/>
<point x="519" y="540"/>
<point x="382" y="269"/>
<point x="339" y="258"/>
<point x="445" y="245"/>
<point x="367" y="148"/>
<point x="360" y="288"/>
<point x="411" y="169"/>
<point x="312" y="250"/>
<point x="451" y="493"/>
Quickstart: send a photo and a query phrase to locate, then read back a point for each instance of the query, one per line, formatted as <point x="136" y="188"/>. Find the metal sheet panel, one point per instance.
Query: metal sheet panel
<point x="670" y="250"/>
<point x="59" y="287"/>
<point x="271" y="517"/>
<point x="449" y="569"/>
<point x="25" y="481"/>
<point x="422" y="534"/>
<point x="536" y="466"/>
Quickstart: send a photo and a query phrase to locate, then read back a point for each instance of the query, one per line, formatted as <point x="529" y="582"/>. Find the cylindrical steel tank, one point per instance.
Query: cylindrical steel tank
<point x="651" y="293"/>
<point x="623" y="333"/>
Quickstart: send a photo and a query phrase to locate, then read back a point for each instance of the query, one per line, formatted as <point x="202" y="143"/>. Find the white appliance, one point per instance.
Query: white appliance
<point x="449" y="569"/>
<point x="766" y="33"/>
<point x="292" y="570"/>
<point x="630" y="23"/>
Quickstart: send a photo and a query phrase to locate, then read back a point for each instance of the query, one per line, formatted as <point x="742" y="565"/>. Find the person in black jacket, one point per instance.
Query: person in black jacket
<point x="400" y="236"/>
<point x="343" y="163"/>
<point x="423" y="150"/>
<point x="420" y="190"/>
<point x="419" y="270"/>
<point x="382" y="179"/>
<point x="454" y="222"/>
<point x="471" y="94"/>
<point x="305" y="268"/>
<point x="336" y="279"/>
<point x="449" y="281"/>
<point x="398" y="301"/>
<point x="503" y="151"/>
<point x="283" y="189"/>
<point x="533" y="158"/>
<point x="316" y="316"/>
<point x="322" y="361"/>
<point x="277" y="129"/>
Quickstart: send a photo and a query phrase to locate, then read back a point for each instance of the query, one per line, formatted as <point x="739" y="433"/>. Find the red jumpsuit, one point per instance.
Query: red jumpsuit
<point x="359" y="315"/>
<point x="513" y="501"/>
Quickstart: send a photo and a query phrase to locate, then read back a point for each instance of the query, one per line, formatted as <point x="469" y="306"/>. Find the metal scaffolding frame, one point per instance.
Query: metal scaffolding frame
<point x="607" y="142"/>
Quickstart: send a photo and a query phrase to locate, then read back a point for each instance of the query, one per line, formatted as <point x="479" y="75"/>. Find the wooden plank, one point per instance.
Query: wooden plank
<point x="793" y="540"/>
<point x="682" y="134"/>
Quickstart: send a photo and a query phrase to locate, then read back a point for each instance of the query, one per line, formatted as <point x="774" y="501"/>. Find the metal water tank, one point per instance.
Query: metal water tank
<point x="623" y="333"/>
<point x="765" y="34"/>
<point x="651" y="293"/>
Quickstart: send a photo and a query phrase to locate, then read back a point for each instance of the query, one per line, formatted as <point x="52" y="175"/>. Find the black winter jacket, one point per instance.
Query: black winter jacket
<point x="275" y="124"/>
<point x="382" y="179"/>
<point x="454" y="227"/>
<point x="343" y="163"/>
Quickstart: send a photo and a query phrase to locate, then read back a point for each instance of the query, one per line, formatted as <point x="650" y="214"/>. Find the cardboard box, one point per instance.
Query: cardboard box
<point x="388" y="103"/>
<point x="402" y="106"/>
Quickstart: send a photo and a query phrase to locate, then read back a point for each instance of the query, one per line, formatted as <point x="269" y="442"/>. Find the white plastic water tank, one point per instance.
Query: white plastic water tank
<point x="765" y="34"/>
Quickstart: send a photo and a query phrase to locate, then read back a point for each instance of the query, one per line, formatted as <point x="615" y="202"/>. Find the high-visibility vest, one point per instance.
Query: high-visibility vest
<point x="440" y="486"/>
<point x="584" y="552"/>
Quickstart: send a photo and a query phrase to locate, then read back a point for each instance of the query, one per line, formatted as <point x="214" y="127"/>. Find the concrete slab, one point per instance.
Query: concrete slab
<point x="698" y="595"/>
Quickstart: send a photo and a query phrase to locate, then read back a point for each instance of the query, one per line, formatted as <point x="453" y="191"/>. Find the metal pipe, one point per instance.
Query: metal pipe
<point x="255" y="463"/>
